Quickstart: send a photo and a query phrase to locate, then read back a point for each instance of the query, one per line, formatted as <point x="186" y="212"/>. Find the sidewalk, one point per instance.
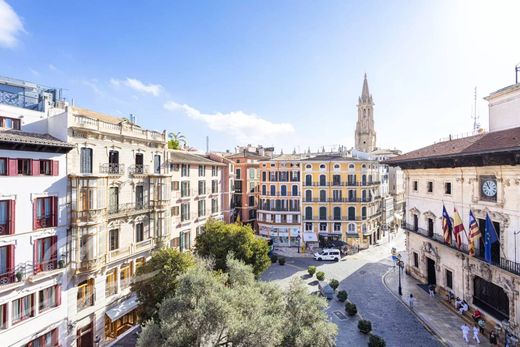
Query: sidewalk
<point x="438" y="318"/>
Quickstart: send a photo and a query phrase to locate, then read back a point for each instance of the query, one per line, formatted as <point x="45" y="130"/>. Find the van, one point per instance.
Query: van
<point x="328" y="254"/>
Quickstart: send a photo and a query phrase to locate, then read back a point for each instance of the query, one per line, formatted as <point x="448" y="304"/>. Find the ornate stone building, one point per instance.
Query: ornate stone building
<point x="365" y="131"/>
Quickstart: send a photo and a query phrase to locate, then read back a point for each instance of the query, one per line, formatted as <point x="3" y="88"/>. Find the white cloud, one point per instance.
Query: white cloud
<point x="10" y="25"/>
<point x="92" y="84"/>
<point x="52" y="67"/>
<point x="244" y="127"/>
<point x="135" y="84"/>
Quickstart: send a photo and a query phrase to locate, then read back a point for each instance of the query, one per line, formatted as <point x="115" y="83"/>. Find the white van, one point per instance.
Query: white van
<point x="328" y="254"/>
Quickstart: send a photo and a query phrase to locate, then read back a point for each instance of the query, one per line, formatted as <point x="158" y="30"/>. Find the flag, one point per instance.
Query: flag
<point x="458" y="227"/>
<point x="474" y="233"/>
<point x="446" y="225"/>
<point x="489" y="238"/>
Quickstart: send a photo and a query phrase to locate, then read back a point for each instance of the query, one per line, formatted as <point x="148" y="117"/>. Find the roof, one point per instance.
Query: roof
<point x="332" y="157"/>
<point x="98" y="115"/>
<point x="10" y="138"/>
<point x="282" y="157"/>
<point x="247" y="154"/>
<point x="190" y="158"/>
<point x="495" y="142"/>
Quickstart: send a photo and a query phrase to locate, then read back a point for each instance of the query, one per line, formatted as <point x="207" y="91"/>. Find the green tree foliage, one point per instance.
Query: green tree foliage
<point x="334" y="284"/>
<point x="320" y="275"/>
<point x="232" y="309"/>
<point x="311" y="270"/>
<point x="157" y="279"/>
<point x="175" y="140"/>
<point x="220" y="239"/>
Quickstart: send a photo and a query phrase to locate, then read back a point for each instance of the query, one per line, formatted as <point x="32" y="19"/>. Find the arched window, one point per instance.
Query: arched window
<point x="323" y="180"/>
<point x="337" y="213"/>
<point x="364" y="195"/>
<point x="283" y="190"/>
<point x="336" y="166"/>
<point x="364" y="212"/>
<point x="364" y="179"/>
<point x="351" y="166"/>
<point x="351" y="228"/>
<point x="322" y="166"/>
<point x="308" y="180"/>
<point x="294" y="190"/>
<point x="308" y="166"/>
<point x="308" y="195"/>
<point x="273" y="190"/>
<point x="323" y="195"/>
<point x="264" y="189"/>
<point x="264" y="175"/>
<point x="351" y="213"/>
<point x="323" y="213"/>
<point x="352" y="195"/>
<point x="364" y="228"/>
<point x="308" y="213"/>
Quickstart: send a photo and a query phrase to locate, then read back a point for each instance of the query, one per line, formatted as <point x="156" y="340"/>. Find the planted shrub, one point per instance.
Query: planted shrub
<point x="274" y="258"/>
<point x="365" y="326"/>
<point x="334" y="284"/>
<point x="320" y="275"/>
<point x="376" y="341"/>
<point x="281" y="260"/>
<point x="311" y="270"/>
<point x="342" y="296"/>
<point x="351" y="309"/>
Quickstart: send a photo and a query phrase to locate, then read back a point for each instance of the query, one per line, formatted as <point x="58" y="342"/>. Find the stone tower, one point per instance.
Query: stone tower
<point x="365" y="132"/>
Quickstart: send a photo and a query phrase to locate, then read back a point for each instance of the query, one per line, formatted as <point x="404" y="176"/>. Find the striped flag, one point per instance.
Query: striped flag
<point x="474" y="233"/>
<point x="446" y="225"/>
<point x="458" y="227"/>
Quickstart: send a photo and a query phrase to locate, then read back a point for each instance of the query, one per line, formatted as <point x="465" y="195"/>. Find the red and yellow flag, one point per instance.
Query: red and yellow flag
<point x="458" y="227"/>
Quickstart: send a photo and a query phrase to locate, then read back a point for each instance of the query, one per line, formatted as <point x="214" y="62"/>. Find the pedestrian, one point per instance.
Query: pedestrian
<point x="451" y="295"/>
<point x="493" y="337"/>
<point x="481" y="324"/>
<point x="475" y="333"/>
<point x="465" y="332"/>
<point x="464" y="308"/>
<point x="431" y="290"/>
<point x="411" y="300"/>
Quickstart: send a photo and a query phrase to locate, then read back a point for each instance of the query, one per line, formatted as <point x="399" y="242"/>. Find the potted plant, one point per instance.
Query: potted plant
<point x="281" y="260"/>
<point x="274" y="258"/>
<point x="320" y="275"/>
<point x="365" y="326"/>
<point x="61" y="263"/>
<point x="19" y="276"/>
<point x="376" y="341"/>
<point x="311" y="270"/>
<point x="342" y="296"/>
<point x="334" y="284"/>
<point x="351" y="309"/>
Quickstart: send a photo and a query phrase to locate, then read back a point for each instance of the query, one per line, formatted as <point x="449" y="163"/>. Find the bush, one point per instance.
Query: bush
<point x="365" y="326"/>
<point x="351" y="309"/>
<point x="274" y="258"/>
<point x="311" y="270"/>
<point x="320" y="275"/>
<point x="376" y="341"/>
<point x="281" y="260"/>
<point x="334" y="284"/>
<point x="342" y="296"/>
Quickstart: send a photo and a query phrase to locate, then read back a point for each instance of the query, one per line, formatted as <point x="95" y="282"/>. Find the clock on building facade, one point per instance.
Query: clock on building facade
<point x="488" y="188"/>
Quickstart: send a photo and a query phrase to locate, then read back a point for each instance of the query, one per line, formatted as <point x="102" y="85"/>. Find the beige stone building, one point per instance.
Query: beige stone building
<point x="479" y="173"/>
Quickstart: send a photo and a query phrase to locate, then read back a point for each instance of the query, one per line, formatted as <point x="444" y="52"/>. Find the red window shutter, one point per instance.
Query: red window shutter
<point x="35" y="207"/>
<point x="35" y="256"/>
<point x="54" y="212"/>
<point x="54" y="248"/>
<point x="58" y="295"/>
<point x="35" y="166"/>
<point x="12" y="167"/>
<point x="55" y="337"/>
<point x="55" y="168"/>
<point x="11" y="258"/>
<point x="12" y="216"/>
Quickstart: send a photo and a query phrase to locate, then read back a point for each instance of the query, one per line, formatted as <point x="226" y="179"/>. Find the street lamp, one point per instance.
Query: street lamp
<point x="400" y="264"/>
<point x="516" y="233"/>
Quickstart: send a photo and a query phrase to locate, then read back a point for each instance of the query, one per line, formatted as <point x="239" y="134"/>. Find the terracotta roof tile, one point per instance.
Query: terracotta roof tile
<point x="17" y="136"/>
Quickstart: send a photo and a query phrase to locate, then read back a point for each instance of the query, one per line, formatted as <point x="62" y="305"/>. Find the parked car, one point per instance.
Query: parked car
<point x="328" y="254"/>
<point x="326" y="290"/>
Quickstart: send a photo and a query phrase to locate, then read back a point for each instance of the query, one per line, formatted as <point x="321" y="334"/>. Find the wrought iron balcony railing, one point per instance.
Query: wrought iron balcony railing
<point x="112" y="168"/>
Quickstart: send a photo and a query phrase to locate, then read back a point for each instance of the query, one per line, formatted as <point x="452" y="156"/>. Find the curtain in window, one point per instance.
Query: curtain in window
<point x="3" y="212"/>
<point x="3" y="260"/>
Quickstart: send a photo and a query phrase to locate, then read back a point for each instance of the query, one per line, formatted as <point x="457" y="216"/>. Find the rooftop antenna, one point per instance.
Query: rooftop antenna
<point x="207" y="144"/>
<point x="476" y="124"/>
<point x="517" y="70"/>
<point x="132" y="118"/>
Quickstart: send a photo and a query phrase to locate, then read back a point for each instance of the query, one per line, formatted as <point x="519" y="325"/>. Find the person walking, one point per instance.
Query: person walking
<point x="431" y="290"/>
<point x="465" y="332"/>
<point x="475" y="333"/>
<point x="493" y="337"/>
<point x="411" y="300"/>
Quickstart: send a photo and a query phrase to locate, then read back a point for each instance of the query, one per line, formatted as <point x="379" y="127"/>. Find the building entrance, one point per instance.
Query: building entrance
<point x="432" y="276"/>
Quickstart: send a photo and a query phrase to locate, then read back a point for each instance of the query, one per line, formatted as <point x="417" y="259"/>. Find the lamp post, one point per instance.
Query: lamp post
<point x="516" y="233"/>
<point x="400" y="264"/>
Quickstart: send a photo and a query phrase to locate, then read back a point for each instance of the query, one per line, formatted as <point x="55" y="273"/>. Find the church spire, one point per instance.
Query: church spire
<point x="365" y="131"/>
<point x="365" y="94"/>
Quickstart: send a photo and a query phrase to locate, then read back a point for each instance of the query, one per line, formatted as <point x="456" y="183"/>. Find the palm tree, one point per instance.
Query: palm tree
<point x="176" y="139"/>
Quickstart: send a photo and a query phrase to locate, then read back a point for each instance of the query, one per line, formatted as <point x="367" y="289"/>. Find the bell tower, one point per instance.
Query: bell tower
<point x="365" y="132"/>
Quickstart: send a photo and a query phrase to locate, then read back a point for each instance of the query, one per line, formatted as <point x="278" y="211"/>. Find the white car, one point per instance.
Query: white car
<point x="328" y="254"/>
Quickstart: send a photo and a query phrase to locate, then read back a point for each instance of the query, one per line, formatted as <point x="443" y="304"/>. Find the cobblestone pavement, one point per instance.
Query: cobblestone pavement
<point x="361" y="276"/>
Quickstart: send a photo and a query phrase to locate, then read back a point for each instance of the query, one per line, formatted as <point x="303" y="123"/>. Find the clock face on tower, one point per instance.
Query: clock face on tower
<point x="488" y="188"/>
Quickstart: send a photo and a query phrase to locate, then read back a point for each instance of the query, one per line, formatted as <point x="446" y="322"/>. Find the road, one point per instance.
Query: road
<point x="361" y="276"/>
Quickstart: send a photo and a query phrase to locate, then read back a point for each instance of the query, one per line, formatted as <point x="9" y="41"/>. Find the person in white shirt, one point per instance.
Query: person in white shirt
<point x="475" y="333"/>
<point x="463" y="308"/>
<point x="411" y="300"/>
<point x="465" y="332"/>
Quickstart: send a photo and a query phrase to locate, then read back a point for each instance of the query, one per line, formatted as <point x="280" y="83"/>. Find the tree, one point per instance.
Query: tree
<point x="157" y="279"/>
<point x="220" y="239"/>
<point x="175" y="140"/>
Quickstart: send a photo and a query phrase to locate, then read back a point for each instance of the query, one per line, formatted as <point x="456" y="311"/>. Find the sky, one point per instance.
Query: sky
<point x="280" y="73"/>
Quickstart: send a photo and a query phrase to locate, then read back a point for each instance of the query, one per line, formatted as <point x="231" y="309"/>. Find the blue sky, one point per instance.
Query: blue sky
<point x="282" y="73"/>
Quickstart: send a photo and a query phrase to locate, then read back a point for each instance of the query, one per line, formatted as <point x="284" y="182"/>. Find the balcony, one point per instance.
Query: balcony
<point x="279" y="209"/>
<point x="44" y="222"/>
<point x="88" y="216"/>
<point x="128" y="209"/>
<point x="89" y="265"/>
<point x="47" y="265"/>
<point x="87" y="301"/>
<point x="114" y="169"/>
<point x="138" y="170"/>
<point x="503" y="263"/>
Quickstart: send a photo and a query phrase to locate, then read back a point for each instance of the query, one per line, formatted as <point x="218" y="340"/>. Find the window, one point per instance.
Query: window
<point x="49" y="339"/>
<point x="308" y="226"/>
<point x="264" y="175"/>
<point x="114" y="239"/>
<point x="237" y="174"/>
<point x="157" y="164"/>
<point x="201" y="208"/>
<point x="23" y="308"/>
<point x="308" y="180"/>
<point x="111" y="283"/>
<point x="429" y="187"/>
<point x="323" y="226"/>
<point x="323" y="195"/>
<point x="363" y="212"/>
<point x="3" y="316"/>
<point x="415" y="260"/>
<point x="185" y="212"/>
<point x="336" y="180"/>
<point x="7" y="217"/>
<point x="273" y="190"/>
<point x="214" y="170"/>
<point x="139" y="197"/>
<point x="352" y="228"/>
<point x="214" y="206"/>
<point x="430" y="227"/>
<point x="283" y="190"/>
<point x="322" y="166"/>
<point x="351" y="213"/>
<point x="86" y="160"/>
<point x="49" y="297"/>
<point x="24" y="167"/>
<point x="447" y="188"/>
<point x="214" y="186"/>
<point x="9" y="123"/>
<point x="322" y="180"/>
<point x="264" y="190"/>
<point x="175" y="185"/>
<point x="139" y="163"/>
<point x="3" y="166"/>
<point x="337" y="227"/>
<point x="85" y="296"/>
<point x="415" y="186"/>
<point x="449" y="279"/>
<point x="45" y="254"/>
<point x="202" y="187"/>
<point x="185" y="189"/>
<point x="46" y="167"/>
<point x="337" y="213"/>
<point x="113" y="162"/>
<point x="7" y="270"/>
<point x="294" y="191"/>
<point x="185" y="170"/>
<point x="45" y="215"/>
<point x="251" y="201"/>
<point x="323" y="213"/>
<point x="139" y="232"/>
<point x="308" y="213"/>
<point x="125" y="276"/>
<point x="175" y="211"/>
<point x="202" y="170"/>
<point x="113" y="200"/>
